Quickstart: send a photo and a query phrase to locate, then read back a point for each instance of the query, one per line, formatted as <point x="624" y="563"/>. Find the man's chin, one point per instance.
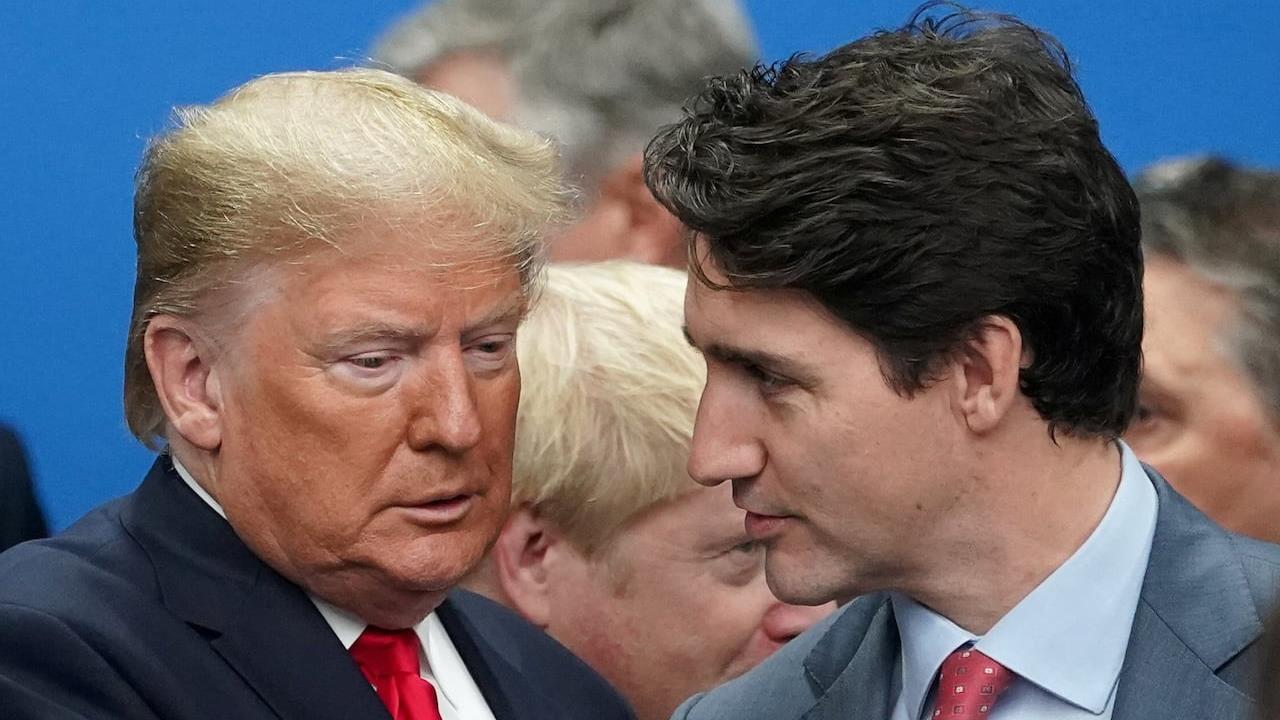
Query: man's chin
<point x="793" y="581"/>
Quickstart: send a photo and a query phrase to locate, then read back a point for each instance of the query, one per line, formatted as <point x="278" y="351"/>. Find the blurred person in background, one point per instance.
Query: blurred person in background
<point x="611" y="547"/>
<point x="598" y="76"/>
<point x="331" y="268"/>
<point x="1209" y="403"/>
<point x="21" y="518"/>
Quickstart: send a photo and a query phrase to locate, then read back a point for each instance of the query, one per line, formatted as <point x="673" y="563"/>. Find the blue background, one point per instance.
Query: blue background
<point x="82" y="84"/>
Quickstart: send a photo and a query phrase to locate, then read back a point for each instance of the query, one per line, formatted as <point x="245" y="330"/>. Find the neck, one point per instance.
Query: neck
<point x="1030" y="515"/>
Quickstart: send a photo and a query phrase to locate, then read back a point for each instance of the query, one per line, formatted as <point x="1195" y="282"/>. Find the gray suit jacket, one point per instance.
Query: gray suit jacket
<point x="1190" y="654"/>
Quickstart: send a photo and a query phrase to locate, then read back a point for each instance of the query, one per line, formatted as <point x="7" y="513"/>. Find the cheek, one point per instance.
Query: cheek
<point x="497" y="402"/>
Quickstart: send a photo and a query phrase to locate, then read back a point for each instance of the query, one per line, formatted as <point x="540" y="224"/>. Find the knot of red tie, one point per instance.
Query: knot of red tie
<point x="386" y="652"/>
<point x="969" y="684"/>
<point x="388" y="659"/>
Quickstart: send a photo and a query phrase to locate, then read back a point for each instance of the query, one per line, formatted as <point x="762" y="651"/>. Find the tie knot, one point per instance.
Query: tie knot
<point x="969" y="684"/>
<point x="381" y="653"/>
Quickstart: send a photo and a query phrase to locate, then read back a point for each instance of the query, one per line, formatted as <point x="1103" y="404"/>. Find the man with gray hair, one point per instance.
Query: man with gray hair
<point x="1209" y="404"/>
<point x="598" y="76"/>
<point x="331" y="270"/>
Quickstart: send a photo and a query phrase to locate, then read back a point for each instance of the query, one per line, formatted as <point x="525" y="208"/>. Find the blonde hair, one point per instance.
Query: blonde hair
<point x="610" y="390"/>
<point x="292" y="162"/>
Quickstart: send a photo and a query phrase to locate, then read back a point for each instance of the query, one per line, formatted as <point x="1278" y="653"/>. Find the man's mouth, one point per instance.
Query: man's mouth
<point x="762" y="527"/>
<point x="443" y="511"/>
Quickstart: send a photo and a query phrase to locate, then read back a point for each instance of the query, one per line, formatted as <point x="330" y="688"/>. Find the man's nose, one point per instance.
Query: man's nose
<point x="723" y="447"/>
<point x="446" y="414"/>
<point x="782" y="622"/>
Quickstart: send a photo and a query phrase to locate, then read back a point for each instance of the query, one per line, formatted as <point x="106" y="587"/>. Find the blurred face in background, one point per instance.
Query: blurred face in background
<point x="480" y="79"/>
<point x="677" y="604"/>
<point x="619" y="218"/>
<point x="1200" y="421"/>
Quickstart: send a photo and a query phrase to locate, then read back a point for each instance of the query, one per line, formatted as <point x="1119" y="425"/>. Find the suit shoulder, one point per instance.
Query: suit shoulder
<point x="92" y="566"/>
<point x="780" y="685"/>
<point x="541" y="658"/>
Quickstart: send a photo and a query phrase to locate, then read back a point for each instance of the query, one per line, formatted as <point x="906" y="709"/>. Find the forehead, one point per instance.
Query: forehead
<point x="1186" y="316"/>
<point x="758" y="317"/>
<point x="381" y="274"/>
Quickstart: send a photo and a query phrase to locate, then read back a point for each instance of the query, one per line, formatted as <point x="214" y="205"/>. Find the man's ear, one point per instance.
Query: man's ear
<point x="182" y="371"/>
<point x="520" y="557"/>
<point x="654" y="235"/>
<point x="987" y="373"/>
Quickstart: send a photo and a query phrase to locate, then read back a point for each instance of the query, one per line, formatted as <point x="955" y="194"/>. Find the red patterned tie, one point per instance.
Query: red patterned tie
<point x="389" y="661"/>
<point x="969" y="685"/>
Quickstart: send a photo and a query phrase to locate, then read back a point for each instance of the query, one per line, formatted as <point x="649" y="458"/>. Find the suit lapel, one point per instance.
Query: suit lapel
<point x="852" y="668"/>
<point x="265" y="627"/>
<point x="502" y="683"/>
<point x="289" y="654"/>
<point x="1162" y="678"/>
<point x="1196" y="614"/>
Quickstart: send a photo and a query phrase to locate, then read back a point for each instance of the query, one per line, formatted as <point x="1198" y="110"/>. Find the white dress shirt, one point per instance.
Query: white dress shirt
<point x="1066" y="640"/>
<point x="456" y="692"/>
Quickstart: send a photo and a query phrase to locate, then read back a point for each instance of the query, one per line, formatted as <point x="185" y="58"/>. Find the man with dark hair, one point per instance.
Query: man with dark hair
<point x="1209" y="404"/>
<point x="919" y="300"/>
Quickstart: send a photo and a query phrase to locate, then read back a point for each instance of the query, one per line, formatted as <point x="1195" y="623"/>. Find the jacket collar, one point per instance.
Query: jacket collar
<point x="1195" y="614"/>
<point x="851" y="669"/>
<point x="264" y="626"/>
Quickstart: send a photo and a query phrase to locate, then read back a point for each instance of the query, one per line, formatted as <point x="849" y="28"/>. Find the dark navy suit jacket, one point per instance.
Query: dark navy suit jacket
<point x="152" y="607"/>
<point x="20" y="515"/>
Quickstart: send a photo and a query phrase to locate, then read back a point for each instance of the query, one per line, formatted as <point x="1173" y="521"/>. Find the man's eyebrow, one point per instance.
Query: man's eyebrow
<point x="377" y="331"/>
<point x="512" y="309"/>
<point x="742" y="356"/>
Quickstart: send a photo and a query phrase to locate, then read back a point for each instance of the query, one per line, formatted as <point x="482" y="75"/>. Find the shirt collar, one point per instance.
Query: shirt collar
<point x="1069" y="635"/>
<point x="195" y="486"/>
<point x="438" y="659"/>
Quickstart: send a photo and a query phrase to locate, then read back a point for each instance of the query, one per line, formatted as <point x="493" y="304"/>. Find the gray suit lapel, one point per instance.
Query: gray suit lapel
<point x="852" y="668"/>
<point x="1196" y="614"/>
<point x="1162" y="678"/>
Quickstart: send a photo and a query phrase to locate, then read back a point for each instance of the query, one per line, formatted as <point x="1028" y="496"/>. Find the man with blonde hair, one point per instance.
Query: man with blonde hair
<point x="331" y="270"/>
<point x="611" y="547"/>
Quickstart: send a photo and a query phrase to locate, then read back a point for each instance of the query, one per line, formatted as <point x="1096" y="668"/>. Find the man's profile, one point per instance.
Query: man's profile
<point x="919" y="299"/>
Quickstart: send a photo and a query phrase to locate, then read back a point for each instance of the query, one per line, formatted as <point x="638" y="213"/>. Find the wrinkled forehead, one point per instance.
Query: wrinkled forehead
<point x="426" y="255"/>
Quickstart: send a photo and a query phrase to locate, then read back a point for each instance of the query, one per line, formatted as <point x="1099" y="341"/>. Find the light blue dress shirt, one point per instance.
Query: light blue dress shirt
<point x="1066" y="640"/>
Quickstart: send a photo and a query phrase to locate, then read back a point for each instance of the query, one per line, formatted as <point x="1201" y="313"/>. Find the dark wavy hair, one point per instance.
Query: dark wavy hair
<point x="916" y="182"/>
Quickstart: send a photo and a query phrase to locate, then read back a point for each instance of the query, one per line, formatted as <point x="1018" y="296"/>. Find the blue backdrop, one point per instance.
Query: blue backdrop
<point x="82" y="84"/>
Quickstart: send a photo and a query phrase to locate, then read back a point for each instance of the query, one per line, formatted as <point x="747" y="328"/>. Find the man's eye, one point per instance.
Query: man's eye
<point x="765" y="379"/>
<point x="369" y="362"/>
<point x="494" y="348"/>
<point x="1143" y="414"/>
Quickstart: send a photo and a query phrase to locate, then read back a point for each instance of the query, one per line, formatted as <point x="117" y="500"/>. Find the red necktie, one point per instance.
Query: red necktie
<point x="389" y="661"/>
<point x="968" y="685"/>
